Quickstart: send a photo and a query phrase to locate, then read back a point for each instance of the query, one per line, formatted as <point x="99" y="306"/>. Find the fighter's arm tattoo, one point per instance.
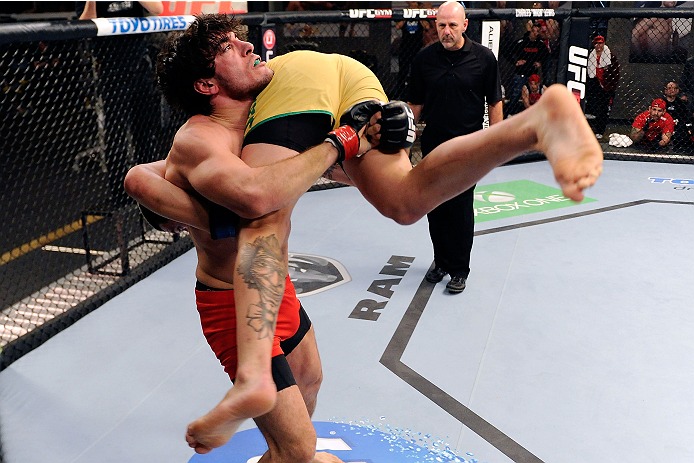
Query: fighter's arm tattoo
<point x="636" y="134"/>
<point x="261" y="264"/>
<point x="329" y="173"/>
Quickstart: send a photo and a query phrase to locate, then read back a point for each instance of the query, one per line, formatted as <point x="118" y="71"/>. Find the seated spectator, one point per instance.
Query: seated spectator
<point x="529" y="54"/>
<point x="652" y="124"/>
<point x="532" y="92"/>
<point x="678" y="108"/>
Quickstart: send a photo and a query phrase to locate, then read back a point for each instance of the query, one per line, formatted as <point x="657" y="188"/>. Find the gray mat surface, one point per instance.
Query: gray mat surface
<point x="573" y="341"/>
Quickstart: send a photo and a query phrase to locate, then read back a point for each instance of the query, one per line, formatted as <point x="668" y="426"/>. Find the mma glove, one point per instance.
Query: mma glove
<point x="346" y="137"/>
<point x="398" y="130"/>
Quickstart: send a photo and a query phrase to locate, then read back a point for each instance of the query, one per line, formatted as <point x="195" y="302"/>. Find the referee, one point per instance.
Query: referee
<point x="449" y="84"/>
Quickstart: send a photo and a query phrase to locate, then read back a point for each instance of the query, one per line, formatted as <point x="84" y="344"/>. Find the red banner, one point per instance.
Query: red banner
<point x="198" y="7"/>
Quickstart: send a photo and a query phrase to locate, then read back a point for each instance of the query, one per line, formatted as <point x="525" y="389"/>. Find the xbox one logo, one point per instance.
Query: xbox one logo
<point x="494" y="196"/>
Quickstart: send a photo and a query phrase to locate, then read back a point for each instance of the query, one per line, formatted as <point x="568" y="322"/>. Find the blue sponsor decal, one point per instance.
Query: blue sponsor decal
<point x="349" y="442"/>
<point x="674" y="181"/>
<point x="121" y="26"/>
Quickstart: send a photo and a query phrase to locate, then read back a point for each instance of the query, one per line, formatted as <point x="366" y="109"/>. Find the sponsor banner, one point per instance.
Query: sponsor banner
<point x="349" y="442"/>
<point x="490" y="39"/>
<point x="269" y="41"/>
<point x="579" y="38"/>
<point x="510" y="199"/>
<point x="207" y="7"/>
<point x="534" y="13"/>
<point x="371" y="14"/>
<point x="491" y="36"/>
<point x="124" y="26"/>
<point x="409" y="13"/>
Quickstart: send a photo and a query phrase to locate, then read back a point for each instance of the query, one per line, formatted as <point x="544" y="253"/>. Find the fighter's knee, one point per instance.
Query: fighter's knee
<point x="308" y="376"/>
<point x="311" y="384"/>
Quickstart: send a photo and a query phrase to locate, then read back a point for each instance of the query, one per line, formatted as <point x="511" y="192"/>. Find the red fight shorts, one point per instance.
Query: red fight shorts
<point x="218" y="319"/>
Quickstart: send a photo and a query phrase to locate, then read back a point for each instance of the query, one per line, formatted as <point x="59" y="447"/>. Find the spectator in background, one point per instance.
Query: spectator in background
<point x="532" y="92"/>
<point x="411" y="42"/>
<point x="651" y="124"/>
<point x="430" y="34"/>
<point x="551" y="34"/>
<point x="603" y="77"/>
<point x="558" y="4"/>
<point x="552" y="48"/>
<point x="681" y="114"/>
<point x="92" y="9"/>
<point x="530" y="22"/>
<point x="656" y="39"/>
<point x="308" y="6"/>
<point x="531" y="53"/>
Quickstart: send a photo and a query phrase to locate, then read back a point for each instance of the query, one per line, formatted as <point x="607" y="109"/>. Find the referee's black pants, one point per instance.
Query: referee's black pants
<point x="451" y="227"/>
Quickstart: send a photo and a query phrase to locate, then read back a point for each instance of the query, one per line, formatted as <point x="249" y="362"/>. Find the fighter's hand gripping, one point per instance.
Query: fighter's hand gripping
<point x="398" y="130"/>
<point x="346" y="137"/>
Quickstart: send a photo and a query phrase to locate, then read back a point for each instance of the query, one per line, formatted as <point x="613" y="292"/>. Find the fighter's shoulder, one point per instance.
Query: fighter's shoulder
<point x="294" y="57"/>
<point x="198" y="134"/>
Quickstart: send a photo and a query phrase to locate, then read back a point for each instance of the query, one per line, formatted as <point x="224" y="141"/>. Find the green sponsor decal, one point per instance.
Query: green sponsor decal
<point x="502" y="200"/>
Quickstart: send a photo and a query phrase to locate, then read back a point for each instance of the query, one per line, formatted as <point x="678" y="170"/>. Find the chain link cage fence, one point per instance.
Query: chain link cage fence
<point x="78" y="110"/>
<point x="76" y="114"/>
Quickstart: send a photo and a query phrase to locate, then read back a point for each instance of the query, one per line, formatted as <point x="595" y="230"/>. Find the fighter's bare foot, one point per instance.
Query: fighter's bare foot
<point x="567" y="140"/>
<point x="243" y="401"/>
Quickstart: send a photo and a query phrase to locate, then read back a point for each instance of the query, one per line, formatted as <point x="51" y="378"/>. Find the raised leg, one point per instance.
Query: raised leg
<point x="555" y="125"/>
<point x="261" y="269"/>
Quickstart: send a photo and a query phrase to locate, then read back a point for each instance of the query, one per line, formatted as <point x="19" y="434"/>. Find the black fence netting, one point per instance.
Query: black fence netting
<point x="631" y="55"/>
<point x="77" y="112"/>
<point x="76" y="115"/>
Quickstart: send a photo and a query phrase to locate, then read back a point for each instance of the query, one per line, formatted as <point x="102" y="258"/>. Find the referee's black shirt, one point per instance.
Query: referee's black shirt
<point x="452" y="86"/>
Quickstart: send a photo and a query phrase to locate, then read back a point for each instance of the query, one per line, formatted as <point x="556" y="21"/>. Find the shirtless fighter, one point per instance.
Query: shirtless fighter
<point x="277" y="378"/>
<point x="555" y="126"/>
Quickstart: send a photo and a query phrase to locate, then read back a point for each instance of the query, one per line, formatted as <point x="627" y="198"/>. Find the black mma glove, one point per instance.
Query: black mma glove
<point x="346" y="137"/>
<point x="398" y="128"/>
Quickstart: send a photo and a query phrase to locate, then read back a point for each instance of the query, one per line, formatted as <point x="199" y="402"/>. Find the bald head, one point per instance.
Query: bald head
<point x="450" y="25"/>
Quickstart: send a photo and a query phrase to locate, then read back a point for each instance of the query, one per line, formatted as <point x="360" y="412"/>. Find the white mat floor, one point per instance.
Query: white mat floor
<point x="573" y="342"/>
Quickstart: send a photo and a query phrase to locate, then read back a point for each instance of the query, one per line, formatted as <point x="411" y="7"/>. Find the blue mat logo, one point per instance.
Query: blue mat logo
<point x="350" y="443"/>
<point x="674" y="181"/>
